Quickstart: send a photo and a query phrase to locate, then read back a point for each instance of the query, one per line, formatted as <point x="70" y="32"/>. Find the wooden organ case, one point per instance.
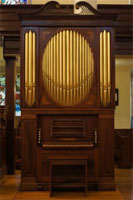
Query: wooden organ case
<point x="67" y="90"/>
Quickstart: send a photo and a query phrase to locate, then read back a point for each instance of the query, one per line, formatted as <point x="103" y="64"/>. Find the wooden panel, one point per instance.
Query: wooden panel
<point x="89" y="125"/>
<point x="28" y="128"/>
<point x="68" y="128"/>
<point x="68" y="173"/>
<point x="123" y="148"/>
<point x="106" y="150"/>
<point x="106" y="142"/>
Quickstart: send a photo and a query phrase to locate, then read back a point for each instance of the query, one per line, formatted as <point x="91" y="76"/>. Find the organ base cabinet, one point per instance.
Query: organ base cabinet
<point x="67" y="90"/>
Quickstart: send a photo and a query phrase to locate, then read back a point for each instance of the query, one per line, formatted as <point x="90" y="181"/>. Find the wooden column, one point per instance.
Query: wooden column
<point x="10" y="101"/>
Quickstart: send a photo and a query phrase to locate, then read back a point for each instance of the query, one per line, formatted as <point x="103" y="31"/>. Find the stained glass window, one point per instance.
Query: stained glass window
<point x="2" y="90"/>
<point x="13" y="2"/>
<point x="18" y="111"/>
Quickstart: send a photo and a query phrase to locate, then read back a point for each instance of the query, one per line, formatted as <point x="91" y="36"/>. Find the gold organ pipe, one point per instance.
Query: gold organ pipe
<point x="83" y="66"/>
<point x="78" y="66"/>
<point x="68" y="67"/>
<point x="26" y="57"/>
<point x="34" y="70"/>
<point x="109" y="84"/>
<point x="89" y="63"/>
<point x="30" y="58"/>
<point x="61" y="67"/>
<point x="104" y="40"/>
<point x="27" y="67"/>
<point x="30" y="68"/>
<point x="58" y="67"/>
<point x="67" y="60"/>
<point x="46" y="67"/>
<point x="91" y="67"/>
<point x="101" y="66"/>
<point x="71" y="67"/>
<point x="54" y="72"/>
<point x="105" y="68"/>
<point x="33" y="59"/>
<point x="105" y="85"/>
<point x="50" y="64"/>
<point x="26" y="63"/>
<point x="49" y="50"/>
<point x="56" y="54"/>
<point x="64" y="67"/>
<point x="108" y="39"/>
<point x="74" y="67"/>
<point x="80" y="79"/>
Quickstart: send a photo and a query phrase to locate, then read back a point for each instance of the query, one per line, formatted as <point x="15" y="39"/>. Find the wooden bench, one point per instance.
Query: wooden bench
<point x="59" y="160"/>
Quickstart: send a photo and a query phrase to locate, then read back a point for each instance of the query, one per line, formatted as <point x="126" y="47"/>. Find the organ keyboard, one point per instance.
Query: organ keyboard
<point x="80" y="145"/>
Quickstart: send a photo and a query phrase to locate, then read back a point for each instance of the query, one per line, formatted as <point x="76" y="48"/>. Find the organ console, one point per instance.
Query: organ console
<point x="67" y="95"/>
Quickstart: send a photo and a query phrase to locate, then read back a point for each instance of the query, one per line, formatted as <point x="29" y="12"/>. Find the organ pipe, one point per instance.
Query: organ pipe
<point x="30" y="68"/>
<point x="69" y="65"/>
<point x="105" y="85"/>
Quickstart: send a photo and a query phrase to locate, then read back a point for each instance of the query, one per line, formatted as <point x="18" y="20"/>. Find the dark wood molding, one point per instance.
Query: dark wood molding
<point x="10" y="23"/>
<point x="11" y="45"/>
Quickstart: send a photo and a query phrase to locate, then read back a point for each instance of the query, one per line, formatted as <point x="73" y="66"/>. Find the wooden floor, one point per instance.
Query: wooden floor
<point x="124" y="182"/>
<point x="10" y="190"/>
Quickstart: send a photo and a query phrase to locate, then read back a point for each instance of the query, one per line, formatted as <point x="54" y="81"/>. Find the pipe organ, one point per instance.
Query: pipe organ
<point x="67" y="96"/>
<point x="68" y="67"/>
